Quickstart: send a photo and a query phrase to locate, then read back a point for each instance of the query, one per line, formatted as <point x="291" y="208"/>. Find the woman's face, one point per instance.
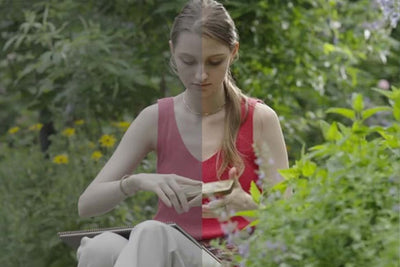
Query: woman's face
<point x="202" y="62"/>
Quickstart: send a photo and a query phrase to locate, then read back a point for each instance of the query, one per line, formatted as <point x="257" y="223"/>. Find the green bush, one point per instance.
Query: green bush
<point x="345" y="207"/>
<point x="39" y="193"/>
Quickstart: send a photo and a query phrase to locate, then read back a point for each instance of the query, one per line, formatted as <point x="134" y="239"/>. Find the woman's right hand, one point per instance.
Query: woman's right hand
<point x="174" y="190"/>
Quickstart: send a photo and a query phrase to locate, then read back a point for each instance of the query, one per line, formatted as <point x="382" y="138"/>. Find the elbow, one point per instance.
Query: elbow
<point x="83" y="210"/>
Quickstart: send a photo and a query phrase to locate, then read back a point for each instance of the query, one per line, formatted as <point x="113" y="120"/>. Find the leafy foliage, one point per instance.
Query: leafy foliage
<point x="39" y="194"/>
<point x="103" y="61"/>
<point x="345" y="206"/>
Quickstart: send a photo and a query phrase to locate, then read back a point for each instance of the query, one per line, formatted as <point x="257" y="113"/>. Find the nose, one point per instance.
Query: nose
<point x="201" y="73"/>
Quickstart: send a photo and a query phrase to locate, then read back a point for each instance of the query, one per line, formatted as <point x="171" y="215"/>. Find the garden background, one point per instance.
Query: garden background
<point x="74" y="74"/>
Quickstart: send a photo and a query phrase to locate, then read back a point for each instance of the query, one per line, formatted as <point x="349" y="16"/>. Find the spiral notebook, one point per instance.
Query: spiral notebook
<point x="73" y="238"/>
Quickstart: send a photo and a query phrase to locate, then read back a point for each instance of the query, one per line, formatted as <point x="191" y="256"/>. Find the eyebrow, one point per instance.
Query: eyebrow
<point x="187" y="54"/>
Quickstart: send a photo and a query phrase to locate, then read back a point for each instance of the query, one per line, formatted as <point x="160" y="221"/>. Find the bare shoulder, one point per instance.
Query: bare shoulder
<point x="264" y="114"/>
<point x="150" y="113"/>
<point x="145" y="124"/>
<point x="266" y="125"/>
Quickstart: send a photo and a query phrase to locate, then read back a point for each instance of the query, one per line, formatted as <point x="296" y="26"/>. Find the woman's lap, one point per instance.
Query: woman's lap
<point x="151" y="243"/>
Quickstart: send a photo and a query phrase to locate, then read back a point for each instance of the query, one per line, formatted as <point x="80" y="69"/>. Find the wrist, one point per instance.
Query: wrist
<point x="130" y="184"/>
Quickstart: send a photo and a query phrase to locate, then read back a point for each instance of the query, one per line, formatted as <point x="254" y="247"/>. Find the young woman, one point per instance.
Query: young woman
<point x="202" y="135"/>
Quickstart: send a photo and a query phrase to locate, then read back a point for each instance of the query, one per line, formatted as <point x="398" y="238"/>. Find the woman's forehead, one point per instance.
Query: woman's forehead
<point x="195" y="45"/>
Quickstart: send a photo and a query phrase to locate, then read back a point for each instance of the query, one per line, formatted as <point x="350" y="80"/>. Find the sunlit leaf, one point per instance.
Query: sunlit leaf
<point x="348" y="113"/>
<point x="357" y="102"/>
<point x="255" y="192"/>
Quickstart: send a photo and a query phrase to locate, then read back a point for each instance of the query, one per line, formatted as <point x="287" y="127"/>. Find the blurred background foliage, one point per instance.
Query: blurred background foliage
<point x="74" y="74"/>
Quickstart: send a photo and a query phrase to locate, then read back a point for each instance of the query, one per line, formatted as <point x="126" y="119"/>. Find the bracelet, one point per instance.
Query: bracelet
<point x="120" y="185"/>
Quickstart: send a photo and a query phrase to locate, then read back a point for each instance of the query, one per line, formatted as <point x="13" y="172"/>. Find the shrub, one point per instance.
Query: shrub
<point x="39" y="193"/>
<point x="345" y="206"/>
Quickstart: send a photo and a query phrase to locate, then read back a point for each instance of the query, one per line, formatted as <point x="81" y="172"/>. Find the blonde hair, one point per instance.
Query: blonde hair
<point x="210" y="18"/>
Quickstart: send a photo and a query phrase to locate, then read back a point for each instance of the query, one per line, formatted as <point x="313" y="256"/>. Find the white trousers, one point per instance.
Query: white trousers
<point x="151" y="244"/>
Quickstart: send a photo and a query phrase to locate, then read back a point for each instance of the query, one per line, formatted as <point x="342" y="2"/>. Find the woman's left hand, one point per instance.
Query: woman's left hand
<point x="237" y="200"/>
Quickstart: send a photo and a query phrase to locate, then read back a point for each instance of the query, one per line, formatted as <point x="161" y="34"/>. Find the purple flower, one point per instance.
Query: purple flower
<point x="391" y="11"/>
<point x="244" y="249"/>
<point x="275" y="245"/>
<point x="384" y="84"/>
<point x="229" y="227"/>
<point x="271" y="161"/>
<point x="270" y="245"/>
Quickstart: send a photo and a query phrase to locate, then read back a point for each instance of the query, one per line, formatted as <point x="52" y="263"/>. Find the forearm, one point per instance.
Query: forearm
<point x="100" y="198"/>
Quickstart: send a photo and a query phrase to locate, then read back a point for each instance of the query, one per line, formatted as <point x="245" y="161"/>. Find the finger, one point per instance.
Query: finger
<point x="217" y="204"/>
<point x="181" y="195"/>
<point x="181" y="179"/>
<point x="163" y="197"/>
<point x="195" y="202"/>
<point x="190" y="190"/>
<point x="212" y="213"/>
<point x="172" y="197"/>
<point x="233" y="173"/>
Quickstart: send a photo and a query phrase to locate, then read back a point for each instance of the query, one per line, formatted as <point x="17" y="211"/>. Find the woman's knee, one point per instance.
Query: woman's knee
<point x="103" y="248"/>
<point x="151" y="225"/>
<point x="151" y="229"/>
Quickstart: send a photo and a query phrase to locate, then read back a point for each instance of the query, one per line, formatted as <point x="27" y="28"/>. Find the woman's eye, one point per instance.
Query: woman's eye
<point x="215" y="63"/>
<point x="188" y="62"/>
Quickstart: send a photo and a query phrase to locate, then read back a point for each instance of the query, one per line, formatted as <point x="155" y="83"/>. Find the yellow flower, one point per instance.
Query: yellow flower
<point x="13" y="130"/>
<point x="96" y="155"/>
<point x="123" y="125"/>
<point x="107" y="140"/>
<point x="79" y="122"/>
<point x="60" y="159"/>
<point x="36" y="127"/>
<point x="69" y="132"/>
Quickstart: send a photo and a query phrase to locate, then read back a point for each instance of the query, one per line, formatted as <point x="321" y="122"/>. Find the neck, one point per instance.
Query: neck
<point x="204" y="105"/>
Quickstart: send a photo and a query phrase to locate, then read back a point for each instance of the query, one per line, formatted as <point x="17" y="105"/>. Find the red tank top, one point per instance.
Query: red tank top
<point x="174" y="157"/>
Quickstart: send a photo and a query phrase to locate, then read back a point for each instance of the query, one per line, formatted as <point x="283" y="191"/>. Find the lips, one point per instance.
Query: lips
<point x="202" y="84"/>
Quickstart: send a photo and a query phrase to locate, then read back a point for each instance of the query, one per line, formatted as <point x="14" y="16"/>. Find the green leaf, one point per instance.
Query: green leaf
<point x="359" y="128"/>
<point x="391" y="140"/>
<point x="328" y="48"/>
<point x="317" y="147"/>
<point x="255" y="192"/>
<point x="353" y="74"/>
<point x="372" y="111"/>
<point x="289" y="174"/>
<point x="358" y="104"/>
<point x="247" y="213"/>
<point x="388" y="94"/>
<point x="396" y="111"/>
<point x="333" y="133"/>
<point x="282" y="186"/>
<point x="348" y="113"/>
<point x="253" y="223"/>
<point x="308" y="168"/>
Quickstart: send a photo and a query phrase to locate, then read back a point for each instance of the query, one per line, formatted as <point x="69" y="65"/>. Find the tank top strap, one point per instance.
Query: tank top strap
<point x="165" y="124"/>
